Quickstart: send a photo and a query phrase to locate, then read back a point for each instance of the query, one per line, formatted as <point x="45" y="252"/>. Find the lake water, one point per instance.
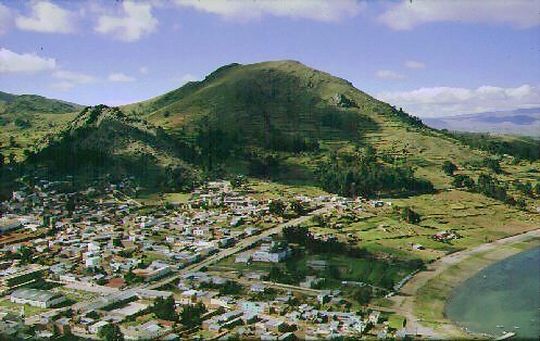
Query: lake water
<point x="501" y="297"/>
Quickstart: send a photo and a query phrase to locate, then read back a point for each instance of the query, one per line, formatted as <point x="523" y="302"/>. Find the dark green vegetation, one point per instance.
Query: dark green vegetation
<point x="164" y="308"/>
<point x="25" y="118"/>
<point x="362" y="173"/>
<point x="104" y="140"/>
<point x="410" y="216"/>
<point x="191" y="315"/>
<point x="449" y="168"/>
<point x="228" y="288"/>
<point x="111" y="332"/>
<point x="490" y="186"/>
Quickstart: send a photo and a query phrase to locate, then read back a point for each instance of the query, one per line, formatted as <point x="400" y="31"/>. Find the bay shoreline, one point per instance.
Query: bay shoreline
<point x="422" y="300"/>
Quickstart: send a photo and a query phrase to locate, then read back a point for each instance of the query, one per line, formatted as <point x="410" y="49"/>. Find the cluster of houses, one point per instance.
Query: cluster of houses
<point x="113" y="251"/>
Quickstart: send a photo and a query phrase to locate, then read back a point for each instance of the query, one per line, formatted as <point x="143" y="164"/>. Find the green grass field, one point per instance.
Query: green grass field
<point x="14" y="308"/>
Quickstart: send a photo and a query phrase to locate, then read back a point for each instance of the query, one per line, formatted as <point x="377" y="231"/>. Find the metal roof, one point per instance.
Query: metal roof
<point x="35" y="295"/>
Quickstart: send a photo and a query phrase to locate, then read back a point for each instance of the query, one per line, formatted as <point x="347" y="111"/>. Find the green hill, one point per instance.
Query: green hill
<point x="102" y="141"/>
<point x="267" y="102"/>
<point x="280" y="120"/>
<point x="26" y="118"/>
<point x="34" y="104"/>
<point x="296" y="113"/>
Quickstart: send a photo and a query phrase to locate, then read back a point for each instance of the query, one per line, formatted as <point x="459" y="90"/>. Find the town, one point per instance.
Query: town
<point x="97" y="264"/>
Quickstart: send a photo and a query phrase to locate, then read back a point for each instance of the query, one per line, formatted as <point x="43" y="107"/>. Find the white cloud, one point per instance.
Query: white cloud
<point x="320" y="10"/>
<point x="409" y="14"/>
<point x="69" y="79"/>
<point x="389" y="74"/>
<point x="445" y="101"/>
<point x="74" y="77"/>
<point x="120" y="77"/>
<point x="143" y="70"/>
<point x="62" y="86"/>
<point x="12" y="62"/>
<point x="5" y="18"/>
<point x="135" y="22"/>
<point x="47" y="17"/>
<point x="413" y="64"/>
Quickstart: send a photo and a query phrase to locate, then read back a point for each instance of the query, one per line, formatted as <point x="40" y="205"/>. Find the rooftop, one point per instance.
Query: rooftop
<point x="35" y="295"/>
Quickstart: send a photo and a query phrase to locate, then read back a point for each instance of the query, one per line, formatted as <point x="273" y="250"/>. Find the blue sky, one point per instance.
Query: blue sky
<point x="433" y="58"/>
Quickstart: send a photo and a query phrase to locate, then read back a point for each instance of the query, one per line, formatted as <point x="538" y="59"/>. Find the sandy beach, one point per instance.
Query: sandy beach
<point x="422" y="300"/>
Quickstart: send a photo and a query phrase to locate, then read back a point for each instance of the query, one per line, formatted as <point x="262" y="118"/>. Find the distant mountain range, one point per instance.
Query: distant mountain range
<point x="524" y="122"/>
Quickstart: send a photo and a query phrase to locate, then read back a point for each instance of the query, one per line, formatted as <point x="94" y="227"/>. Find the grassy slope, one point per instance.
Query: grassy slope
<point x="296" y="99"/>
<point x="42" y="114"/>
<point x="102" y="140"/>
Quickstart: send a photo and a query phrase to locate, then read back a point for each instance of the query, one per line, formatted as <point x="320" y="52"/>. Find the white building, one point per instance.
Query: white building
<point x="92" y="262"/>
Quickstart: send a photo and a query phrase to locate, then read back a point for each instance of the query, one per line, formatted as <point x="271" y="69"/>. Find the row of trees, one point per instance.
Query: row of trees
<point x="302" y="236"/>
<point x="491" y="186"/>
<point x="227" y="288"/>
<point x="163" y="308"/>
<point x="360" y="173"/>
<point x="521" y="148"/>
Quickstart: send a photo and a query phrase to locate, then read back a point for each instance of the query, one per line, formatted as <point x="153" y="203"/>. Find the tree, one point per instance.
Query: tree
<point x="449" y="168"/>
<point x="71" y="204"/>
<point x="215" y="144"/>
<point x="491" y="187"/>
<point x="298" y="208"/>
<point x="25" y="255"/>
<point x="332" y="271"/>
<point x="460" y="181"/>
<point x="537" y="189"/>
<point x="276" y="207"/>
<point x="191" y="315"/>
<point x="521" y="203"/>
<point x="231" y="288"/>
<point x="410" y="216"/>
<point x="131" y="278"/>
<point x="22" y="123"/>
<point x="360" y="173"/>
<point x="493" y="165"/>
<point x="164" y="308"/>
<point x="111" y="332"/>
<point x="276" y="275"/>
<point x="263" y="164"/>
<point x="1" y="160"/>
<point x="363" y="295"/>
<point x="238" y="181"/>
